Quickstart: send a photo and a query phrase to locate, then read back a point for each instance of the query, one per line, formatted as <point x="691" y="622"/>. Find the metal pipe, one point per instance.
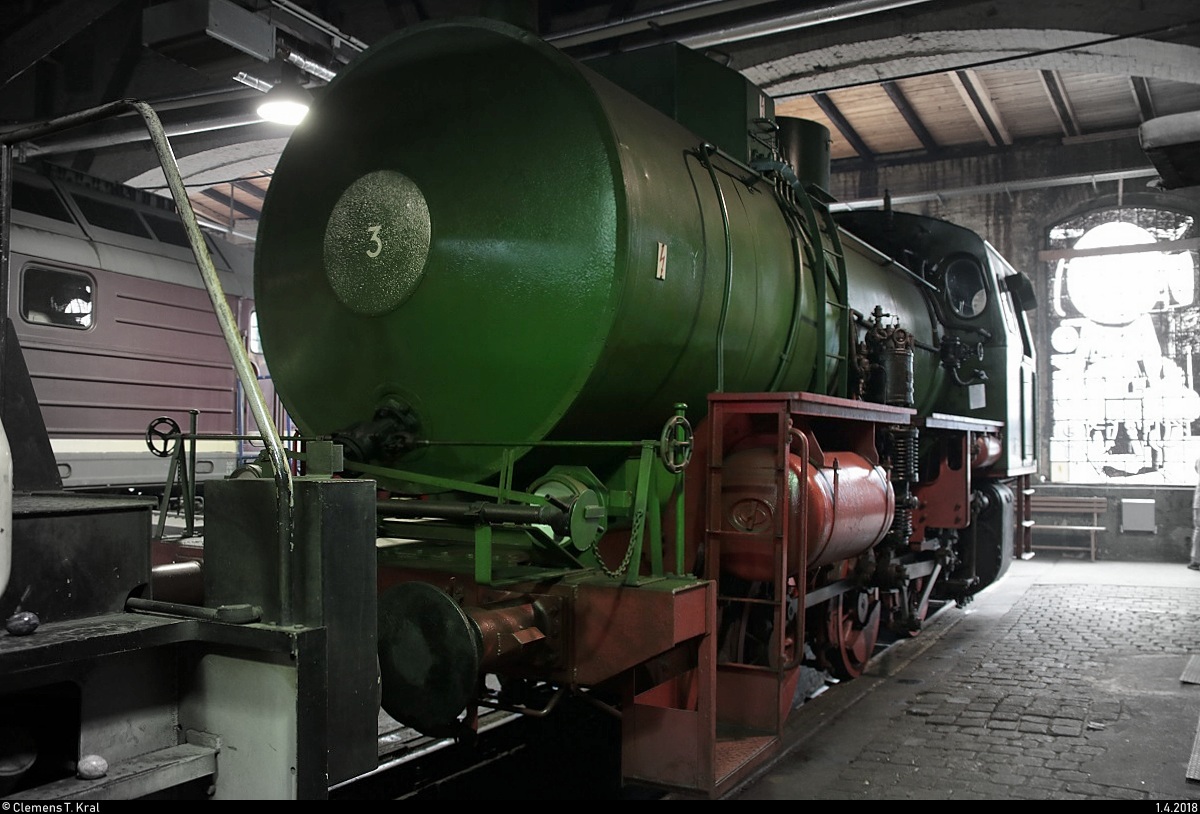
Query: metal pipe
<point x="307" y="65"/>
<point x="335" y="34"/>
<point x="6" y="170"/>
<point x="229" y="329"/>
<point x="134" y="134"/>
<point x="648" y="20"/>
<point x="241" y="363"/>
<point x="766" y="27"/>
<point x="684" y="12"/>
<point x="190" y="496"/>
<point x="705" y="153"/>
<point x="220" y="227"/>
<point x="478" y="511"/>
<point x="178" y="582"/>
<point x="991" y="189"/>
<point x="249" y="81"/>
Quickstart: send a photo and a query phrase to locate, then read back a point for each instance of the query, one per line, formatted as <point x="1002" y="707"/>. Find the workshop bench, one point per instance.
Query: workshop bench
<point x="1057" y="514"/>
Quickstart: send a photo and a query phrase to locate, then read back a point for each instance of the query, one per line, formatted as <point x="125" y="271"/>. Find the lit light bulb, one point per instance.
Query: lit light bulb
<point x="285" y="103"/>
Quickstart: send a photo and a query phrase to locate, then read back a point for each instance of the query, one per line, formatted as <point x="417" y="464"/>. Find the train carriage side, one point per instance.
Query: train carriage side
<point x="118" y="331"/>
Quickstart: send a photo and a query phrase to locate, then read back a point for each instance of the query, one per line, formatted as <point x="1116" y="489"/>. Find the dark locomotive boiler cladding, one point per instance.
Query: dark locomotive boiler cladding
<point x="673" y="432"/>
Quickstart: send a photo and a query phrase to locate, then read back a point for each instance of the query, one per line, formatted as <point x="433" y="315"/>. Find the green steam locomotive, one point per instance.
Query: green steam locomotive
<point x="650" y="420"/>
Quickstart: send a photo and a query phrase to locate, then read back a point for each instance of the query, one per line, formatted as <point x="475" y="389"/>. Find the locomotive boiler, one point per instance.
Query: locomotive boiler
<point x="650" y="423"/>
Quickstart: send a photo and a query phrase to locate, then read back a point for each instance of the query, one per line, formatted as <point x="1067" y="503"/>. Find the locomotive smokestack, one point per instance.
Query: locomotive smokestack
<point x="805" y="145"/>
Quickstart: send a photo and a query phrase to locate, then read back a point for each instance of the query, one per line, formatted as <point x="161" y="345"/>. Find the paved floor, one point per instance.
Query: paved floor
<point x="1062" y="682"/>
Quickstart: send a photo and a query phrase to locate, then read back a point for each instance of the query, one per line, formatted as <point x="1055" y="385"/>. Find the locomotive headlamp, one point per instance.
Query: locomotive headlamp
<point x="286" y="103"/>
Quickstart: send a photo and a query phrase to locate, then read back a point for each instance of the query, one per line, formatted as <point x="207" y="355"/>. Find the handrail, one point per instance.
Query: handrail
<point x="241" y="362"/>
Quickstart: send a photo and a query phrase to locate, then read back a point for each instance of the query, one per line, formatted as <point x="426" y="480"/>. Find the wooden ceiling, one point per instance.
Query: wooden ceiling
<point x="990" y="108"/>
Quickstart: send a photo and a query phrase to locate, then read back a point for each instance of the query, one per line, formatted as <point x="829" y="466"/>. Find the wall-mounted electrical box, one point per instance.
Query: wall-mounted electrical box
<point x="1138" y="515"/>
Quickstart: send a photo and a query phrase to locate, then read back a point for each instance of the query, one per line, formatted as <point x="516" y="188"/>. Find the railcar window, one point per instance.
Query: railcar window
<point x="57" y="297"/>
<point x="39" y="201"/>
<point x="255" y="340"/>
<point x="107" y="216"/>
<point x="965" y="287"/>
<point x="167" y="230"/>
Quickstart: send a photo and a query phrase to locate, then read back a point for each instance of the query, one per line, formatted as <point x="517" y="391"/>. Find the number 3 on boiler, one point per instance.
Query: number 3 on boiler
<point x="377" y="244"/>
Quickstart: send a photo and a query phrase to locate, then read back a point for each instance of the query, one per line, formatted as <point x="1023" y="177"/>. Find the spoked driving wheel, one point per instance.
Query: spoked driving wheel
<point x="852" y="628"/>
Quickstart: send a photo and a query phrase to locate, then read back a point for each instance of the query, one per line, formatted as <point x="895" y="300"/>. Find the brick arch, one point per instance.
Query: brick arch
<point x="904" y="55"/>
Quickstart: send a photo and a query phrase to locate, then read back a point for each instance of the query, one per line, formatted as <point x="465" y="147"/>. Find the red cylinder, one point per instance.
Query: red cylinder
<point x="985" y="451"/>
<point x="849" y="504"/>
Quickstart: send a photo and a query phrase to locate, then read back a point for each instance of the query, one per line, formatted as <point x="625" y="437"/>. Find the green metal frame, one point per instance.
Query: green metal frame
<point x="644" y="512"/>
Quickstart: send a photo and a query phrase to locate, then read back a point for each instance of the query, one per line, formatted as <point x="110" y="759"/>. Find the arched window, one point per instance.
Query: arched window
<point x="1123" y="319"/>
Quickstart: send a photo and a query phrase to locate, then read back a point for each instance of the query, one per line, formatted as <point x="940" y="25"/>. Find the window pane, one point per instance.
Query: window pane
<point x="39" y="201"/>
<point x="965" y="287"/>
<point x="57" y="297"/>
<point x="168" y="230"/>
<point x="1124" y="349"/>
<point x="109" y="216"/>
<point x="255" y="340"/>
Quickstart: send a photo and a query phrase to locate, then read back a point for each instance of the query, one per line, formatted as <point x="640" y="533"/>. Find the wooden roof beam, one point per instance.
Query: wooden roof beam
<point x="231" y="204"/>
<point x="250" y="189"/>
<point x="1060" y="103"/>
<point x="1143" y="97"/>
<point x="980" y="106"/>
<point x="910" y="116"/>
<point x="843" y="126"/>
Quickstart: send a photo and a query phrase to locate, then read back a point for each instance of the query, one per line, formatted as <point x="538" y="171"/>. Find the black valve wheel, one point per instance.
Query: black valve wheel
<point x="676" y="443"/>
<point x="161" y="436"/>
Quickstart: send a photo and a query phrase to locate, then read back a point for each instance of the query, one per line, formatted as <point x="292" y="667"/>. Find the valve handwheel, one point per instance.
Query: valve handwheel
<point x="675" y="444"/>
<point x="160" y="435"/>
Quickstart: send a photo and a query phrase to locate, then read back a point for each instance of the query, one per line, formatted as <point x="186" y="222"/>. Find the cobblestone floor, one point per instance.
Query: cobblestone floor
<point x="1047" y="692"/>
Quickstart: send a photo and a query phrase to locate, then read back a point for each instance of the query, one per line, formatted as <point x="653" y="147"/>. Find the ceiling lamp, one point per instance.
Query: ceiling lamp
<point x="286" y="103"/>
<point x="1172" y="143"/>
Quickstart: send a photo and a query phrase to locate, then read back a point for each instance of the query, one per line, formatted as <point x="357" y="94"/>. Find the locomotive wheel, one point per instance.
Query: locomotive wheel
<point x="853" y="629"/>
